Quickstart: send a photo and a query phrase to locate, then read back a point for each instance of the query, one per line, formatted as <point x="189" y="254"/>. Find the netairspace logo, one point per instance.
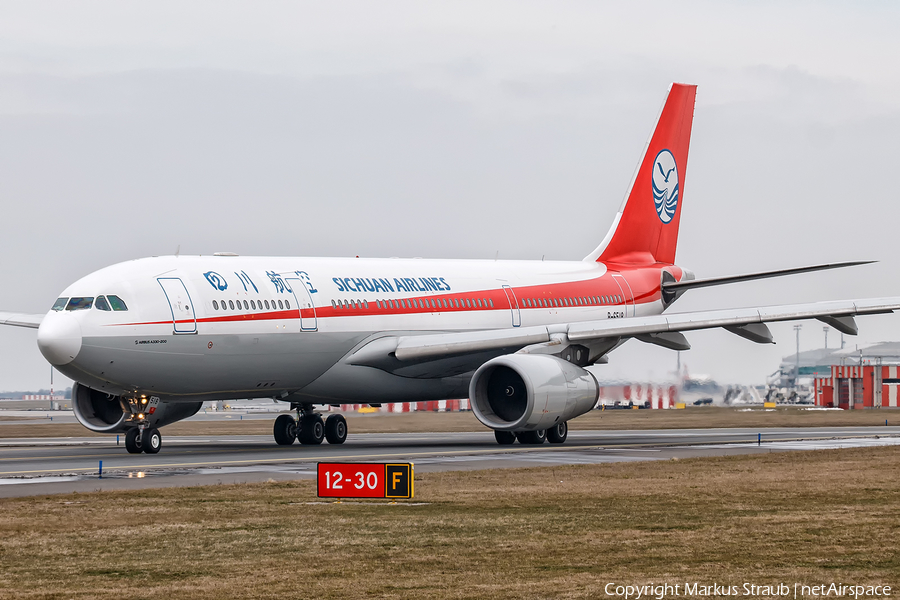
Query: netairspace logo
<point x="797" y="590"/>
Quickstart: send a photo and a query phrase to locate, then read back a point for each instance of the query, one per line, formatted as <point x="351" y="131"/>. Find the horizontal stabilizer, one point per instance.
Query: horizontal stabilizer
<point x="681" y="286"/>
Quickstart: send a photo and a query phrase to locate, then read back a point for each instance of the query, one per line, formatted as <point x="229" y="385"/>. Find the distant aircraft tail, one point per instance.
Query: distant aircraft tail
<point x="645" y="229"/>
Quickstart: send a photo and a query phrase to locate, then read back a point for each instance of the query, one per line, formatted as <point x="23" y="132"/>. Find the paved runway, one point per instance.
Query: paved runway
<point x="36" y="466"/>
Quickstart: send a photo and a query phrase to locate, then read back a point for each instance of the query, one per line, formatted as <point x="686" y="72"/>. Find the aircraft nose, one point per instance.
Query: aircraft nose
<point x="59" y="338"/>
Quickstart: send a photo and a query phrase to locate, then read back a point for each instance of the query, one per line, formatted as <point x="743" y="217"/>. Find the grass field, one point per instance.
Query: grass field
<point x="466" y="421"/>
<point x="563" y="532"/>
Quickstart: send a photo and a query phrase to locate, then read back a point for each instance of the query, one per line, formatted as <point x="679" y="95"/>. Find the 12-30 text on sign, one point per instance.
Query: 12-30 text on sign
<point x="365" y="480"/>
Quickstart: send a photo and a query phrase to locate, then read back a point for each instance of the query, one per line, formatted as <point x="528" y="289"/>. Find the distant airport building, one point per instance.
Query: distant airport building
<point x="861" y="378"/>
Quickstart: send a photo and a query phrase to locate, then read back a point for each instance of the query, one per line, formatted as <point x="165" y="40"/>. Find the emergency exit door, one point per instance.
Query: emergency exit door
<point x="308" y="321"/>
<point x="513" y="306"/>
<point x="183" y="318"/>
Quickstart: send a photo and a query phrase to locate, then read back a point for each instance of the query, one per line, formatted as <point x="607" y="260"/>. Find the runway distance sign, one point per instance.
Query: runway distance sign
<point x="365" y="480"/>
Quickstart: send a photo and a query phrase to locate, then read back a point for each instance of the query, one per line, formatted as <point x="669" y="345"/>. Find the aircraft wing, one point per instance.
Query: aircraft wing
<point x="664" y="330"/>
<point x="21" y="319"/>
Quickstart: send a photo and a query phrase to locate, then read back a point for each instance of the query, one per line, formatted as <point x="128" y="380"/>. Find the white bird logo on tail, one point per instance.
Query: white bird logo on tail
<point x="665" y="185"/>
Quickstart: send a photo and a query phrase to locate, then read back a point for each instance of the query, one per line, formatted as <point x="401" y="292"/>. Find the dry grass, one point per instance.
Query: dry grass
<point x="563" y="532"/>
<point x="466" y="421"/>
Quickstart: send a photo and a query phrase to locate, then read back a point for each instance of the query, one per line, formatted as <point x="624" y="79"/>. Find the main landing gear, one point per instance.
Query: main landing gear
<point x="555" y="435"/>
<point x="143" y="439"/>
<point x="309" y="428"/>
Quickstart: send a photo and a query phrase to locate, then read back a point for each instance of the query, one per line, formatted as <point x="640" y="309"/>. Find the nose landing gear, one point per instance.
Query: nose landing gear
<point x="309" y="427"/>
<point x="143" y="439"/>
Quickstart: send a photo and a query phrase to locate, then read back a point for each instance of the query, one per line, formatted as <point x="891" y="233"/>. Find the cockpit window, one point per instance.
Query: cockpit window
<point x="60" y="304"/>
<point x="79" y="303"/>
<point x="116" y="302"/>
<point x="101" y="304"/>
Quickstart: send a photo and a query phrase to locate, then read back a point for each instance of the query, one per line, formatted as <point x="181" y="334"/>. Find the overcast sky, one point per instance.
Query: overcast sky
<point x="456" y="130"/>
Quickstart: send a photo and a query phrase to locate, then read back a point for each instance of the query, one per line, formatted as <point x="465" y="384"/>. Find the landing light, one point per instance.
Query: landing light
<point x="140" y="416"/>
<point x="144" y="400"/>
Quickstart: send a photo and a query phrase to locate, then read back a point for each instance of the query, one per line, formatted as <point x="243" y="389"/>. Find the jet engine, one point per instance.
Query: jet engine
<point x="103" y="413"/>
<point x="526" y="392"/>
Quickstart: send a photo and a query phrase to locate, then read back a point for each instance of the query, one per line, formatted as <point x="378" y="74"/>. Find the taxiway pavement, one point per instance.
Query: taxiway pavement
<point x="37" y="466"/>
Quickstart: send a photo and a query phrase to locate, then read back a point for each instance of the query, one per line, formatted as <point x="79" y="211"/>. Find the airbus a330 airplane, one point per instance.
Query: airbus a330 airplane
<point x="147" y="341"/>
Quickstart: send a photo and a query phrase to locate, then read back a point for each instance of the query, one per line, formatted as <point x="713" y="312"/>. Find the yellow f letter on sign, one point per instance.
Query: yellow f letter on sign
<point x="398" y="482"/>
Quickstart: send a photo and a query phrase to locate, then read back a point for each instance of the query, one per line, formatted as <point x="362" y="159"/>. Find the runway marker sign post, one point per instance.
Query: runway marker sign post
<point x="365" y="480"/>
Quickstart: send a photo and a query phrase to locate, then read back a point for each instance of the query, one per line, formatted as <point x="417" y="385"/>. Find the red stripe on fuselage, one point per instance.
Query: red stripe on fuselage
<point x="644" y="284"/>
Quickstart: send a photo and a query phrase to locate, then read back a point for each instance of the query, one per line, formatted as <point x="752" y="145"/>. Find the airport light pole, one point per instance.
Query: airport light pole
<point x="797" y="328"/>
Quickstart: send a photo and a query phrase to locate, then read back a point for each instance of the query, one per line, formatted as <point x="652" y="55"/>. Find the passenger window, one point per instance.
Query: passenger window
<point x="215" y="305"/>
<point x="231" y="304"/>
<point x="59" y="304"/>
<point x="253" y="304"/>
<point x="246" y="305"/>
<point x="116" y="302"/>
<point x="492" y="302"/>
<point x="102" y="304"/>
<point x="365" y="304"/>
<point x="281" y="305"/>
<point x="80" y="303"/>
<point x="287" y="304"/>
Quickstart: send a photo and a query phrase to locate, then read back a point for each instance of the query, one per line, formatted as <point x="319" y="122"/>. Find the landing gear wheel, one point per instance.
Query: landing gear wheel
<point x="504" y="438"/>
<point x="532" y="437"/>
<point x="151" y="441"/>
<point x="285" y="430"/>
<point x="133" y="440"/>
<point x="558" y="433"/>
<point x="336" y="429"/>
<point x="311" y="429"/>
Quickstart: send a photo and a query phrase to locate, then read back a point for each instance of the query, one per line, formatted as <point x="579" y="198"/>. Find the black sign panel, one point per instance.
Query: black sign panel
<point x="398" y="481"/>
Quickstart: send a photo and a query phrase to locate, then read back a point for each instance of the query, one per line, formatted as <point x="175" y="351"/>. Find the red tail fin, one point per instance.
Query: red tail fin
<point x="646" y="227"/>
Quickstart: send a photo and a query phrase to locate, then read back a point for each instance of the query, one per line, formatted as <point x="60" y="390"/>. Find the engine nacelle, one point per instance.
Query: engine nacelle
<point x="103" y="413"/>
<point x="525" y="392"/>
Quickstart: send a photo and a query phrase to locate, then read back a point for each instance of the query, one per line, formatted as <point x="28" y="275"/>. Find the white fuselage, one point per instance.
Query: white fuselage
<point x="217" y="327"/>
